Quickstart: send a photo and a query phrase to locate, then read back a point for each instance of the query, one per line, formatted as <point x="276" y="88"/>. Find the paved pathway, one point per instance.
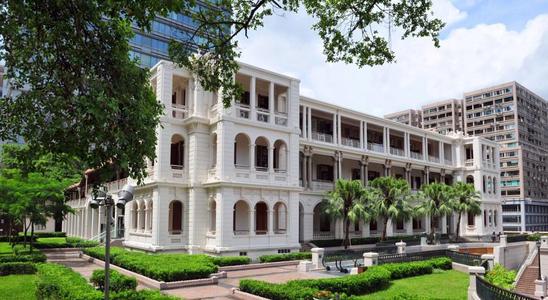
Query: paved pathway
<point x="220" y="291"/>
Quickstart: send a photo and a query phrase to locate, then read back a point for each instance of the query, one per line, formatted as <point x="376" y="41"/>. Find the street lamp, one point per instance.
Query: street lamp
<point x="102" y="198"/>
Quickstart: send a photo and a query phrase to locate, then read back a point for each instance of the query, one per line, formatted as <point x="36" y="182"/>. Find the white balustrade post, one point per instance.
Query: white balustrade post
<point x="473" y="272"/>
<point x="317" y="257"/>
<point x="370" y="259"/>
<point x="401" y="247"/>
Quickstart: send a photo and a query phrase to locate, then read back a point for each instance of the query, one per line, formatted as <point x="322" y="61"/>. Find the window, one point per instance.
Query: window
<point x="356" y="174"/>
<point x="262" y="102"/>
<point x="417" y="224"/>
<point x="471" y="219"/>
<point x="400" y="225"/>
<point x="175" y="217"/>
<point x="373" y="225"/>
<point x="324" y="172"/>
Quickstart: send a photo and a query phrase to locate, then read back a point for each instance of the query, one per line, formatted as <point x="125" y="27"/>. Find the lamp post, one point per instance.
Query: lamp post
<point x="102" y="198"/>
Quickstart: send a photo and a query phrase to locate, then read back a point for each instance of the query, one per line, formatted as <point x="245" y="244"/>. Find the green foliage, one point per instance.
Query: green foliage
<point x="11" y="268"/>
<point x="409" y="269"/>
<point x="93" y="94"/>
<point x="501" y="277"/>
<point x="534" y="237"/>
<point x="118" y="282"/>
<point x="222" y="261"/>
<point x="394" y="200"/>
<point x="285" y="257"/>
<point x="47" y="234"/>
<point x="443" y="263"/>
<point x="276" y="291"/>
<point x="20" y="285"/>
<point x="35" y="257"/>
<point x="466" y="201"/>
<point x="349" y="201"/>
<point x="142" y="295"/>
<point x="438" y="200"/>
<point x="60" y="242"/>
<point x="162" y="267"/>
<point x="59" y="282"/>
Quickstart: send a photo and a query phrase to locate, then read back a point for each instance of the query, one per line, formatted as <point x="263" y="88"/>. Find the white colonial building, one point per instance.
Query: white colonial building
<point x="249" y="179"/>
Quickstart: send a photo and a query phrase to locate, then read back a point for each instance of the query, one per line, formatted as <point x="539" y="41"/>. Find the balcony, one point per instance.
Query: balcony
<point x="323" y="235"/>
<point x="242" y="111"/>
<point x="448" y="162"/>
<point x="469" y="162"/>
<point x="115" y="185"/>
<point x="433" y="159"/>
<point x="281" y="120"/>
<point x="178" y="111"/>
<point x="416" y="155"/>
<point x="397" y="151"/>
<point x="350" y="142"/>
<point x="263" y="116"/>
<point x="375" y="147"/>
<point x="322" y="137"/>
<point x="321" y="185"/>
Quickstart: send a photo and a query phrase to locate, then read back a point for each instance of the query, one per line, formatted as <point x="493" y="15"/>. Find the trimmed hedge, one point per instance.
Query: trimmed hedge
<point x="118" y="282"/>
<point x="69" y="242"/>
<point x="373" y="279"/>
<point x="162" y="267"/>
<point x="34" y="257"/>
<point x="16" y="239"/>
<point x="46" y="234"/>
<point x="17" y="268"/>
<point x="61" y="283"/>
<point x="222" y="261"/>
<point x="285" y="257"/>
<point x="366" y="240"/>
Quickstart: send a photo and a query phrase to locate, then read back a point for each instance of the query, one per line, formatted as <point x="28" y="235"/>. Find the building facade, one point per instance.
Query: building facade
<point x="517" y="119"/>
<point x="443" y="116"/>
<point x="250" y="179"/>
<point x="410" y="117"/>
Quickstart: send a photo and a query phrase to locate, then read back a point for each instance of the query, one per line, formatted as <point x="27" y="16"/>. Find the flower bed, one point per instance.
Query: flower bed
<point x="374" y="279"/>
<point x="285" y="257"/>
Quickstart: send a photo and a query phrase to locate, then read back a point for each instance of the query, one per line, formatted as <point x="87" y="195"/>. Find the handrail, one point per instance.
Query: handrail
<point x="527" y="262"/>
<point x="487" y="291"/>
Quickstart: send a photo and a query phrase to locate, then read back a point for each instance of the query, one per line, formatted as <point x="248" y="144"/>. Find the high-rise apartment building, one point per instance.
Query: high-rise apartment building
<point x="443" y="116"/>
<point x="517" y="119"/>
<point x="410" y="117"/>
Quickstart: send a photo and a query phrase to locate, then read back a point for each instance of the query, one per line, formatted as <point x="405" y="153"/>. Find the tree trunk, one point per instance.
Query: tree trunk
<point x="458" y="226"/>
<point x="26" y="229"/>
<point x="31" y="235"/>
<point x="346" y="233"/>
<point x="385" y="223"/>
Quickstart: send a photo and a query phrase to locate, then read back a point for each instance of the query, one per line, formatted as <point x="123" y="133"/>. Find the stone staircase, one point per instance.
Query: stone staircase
<point x="526" y="283"/>
<point x="56" y="255"/>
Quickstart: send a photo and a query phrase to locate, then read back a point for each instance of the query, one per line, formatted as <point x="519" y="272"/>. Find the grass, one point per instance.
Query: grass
<point x="53" y="240"/>
<point x="5" y="248"/>
<point x="447" y="285"/>
<point x="19" y="287"/>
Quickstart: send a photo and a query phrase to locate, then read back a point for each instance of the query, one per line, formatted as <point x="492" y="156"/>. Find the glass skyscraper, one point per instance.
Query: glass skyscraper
<point x="151" y="46"/>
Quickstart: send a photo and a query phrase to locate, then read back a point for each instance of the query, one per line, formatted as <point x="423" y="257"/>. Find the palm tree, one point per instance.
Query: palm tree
<point x="466" y="200"/>
<point x="437" y="201"/>
<point x="394" y="201"/>
<point x="349" y="201"/>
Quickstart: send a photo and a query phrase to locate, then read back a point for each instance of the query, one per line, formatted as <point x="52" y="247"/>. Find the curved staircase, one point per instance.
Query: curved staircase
<point x="526" y="282"/>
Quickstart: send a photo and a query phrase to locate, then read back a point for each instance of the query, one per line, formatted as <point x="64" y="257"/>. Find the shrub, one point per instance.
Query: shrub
<point x="141" y="295"/>
<point x="534" y="237"/>
<point x="46" y="234"/>
<point x="61" y="242"/>
<point x="327" y="243"/>
<point x="285" y="257"/>
<point x="118" y="282"/>
<point x="409" y="269"/>
<point x="17" y="268"/>
<point x="162" y="267"/>
<point x="16" y="239"/>
<point x="58" y="282"/>
<point x="222" y="261"/>
<point x="34" y="257"/>
<point x="276" y="291"/>
<point x="443" y="263"/>
<point x="502" y="277"/>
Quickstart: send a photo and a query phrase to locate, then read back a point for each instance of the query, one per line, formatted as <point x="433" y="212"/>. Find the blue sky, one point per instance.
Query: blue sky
<point x="485" y="42"/>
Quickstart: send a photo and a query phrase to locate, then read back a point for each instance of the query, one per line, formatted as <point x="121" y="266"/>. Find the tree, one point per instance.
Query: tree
<point x="85" y="97"/>
<point x="437" y="201"/>
<point x="466" y="200"/>
<point x="349" y="201"/>
<point x="394" y="202"/>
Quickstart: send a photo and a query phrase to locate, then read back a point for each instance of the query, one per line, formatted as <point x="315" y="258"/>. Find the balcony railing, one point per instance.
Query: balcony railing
<point x="178" y="111"/>
<point x="375" y="147"/>
<point x="322" y="137"/>
<point x="116" y="185"/>
<point x="281" y="120"/>
<point x="261" y="169"/>
<point x="242" y="112"/>
<point x="434" y="159"/>
<point x="323" y="235"/>
<point x="318" y="185"/>
<point x="469" y="162"/>
<point x="262" y="117"/>
<point x="416" y="155"/>
<point x="241" y="166"/>
<point x="350" y="142"/>
<point x="397" y="151"/>
<point x="448" y="162"/>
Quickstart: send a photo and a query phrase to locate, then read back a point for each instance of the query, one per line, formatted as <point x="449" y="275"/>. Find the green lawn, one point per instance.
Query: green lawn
<point x="447" y="285"/>
<point x="19" y="287"/>
<point x="53" y="240"/>
<point x="5" y="248"/>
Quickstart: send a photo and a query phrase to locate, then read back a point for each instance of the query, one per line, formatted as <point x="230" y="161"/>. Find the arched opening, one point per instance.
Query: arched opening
<point x="280" y="217"/>
<point x="212" y="216"/>
<point x="241" y="151"/>
<point x="280" y="156"/>
<point x="214" y="150"/>
<point x="175" y="217"/>
<point x="240" y="218"/>
<point x="134" y="215"/>
<point x="322" y="222"/>
<point x="177" y="152"/>
<point x="261" y="154"/>
<point x="261" y="218"/>
<point x="470" y="179"/>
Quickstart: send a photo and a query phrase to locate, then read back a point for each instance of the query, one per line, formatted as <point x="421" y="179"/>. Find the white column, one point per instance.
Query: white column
<point x="271" y="220"/>
<point x="271" y="159"/>
<point x="335" y="128"/>
<point x="361" y="135"/>
<point x="251" y="157"/>
<point x="99" y="218"/>
<point x="441" y="152"/>
<point x="386" y="139"/>
<point x="407" y="144"/>
<point x="339" y="125"/>
<point x="425" y="148"/>
<point x="251" y="221"/>
<point x="252" y="98"/>
<point x="271" y="102"/>
<point x="365" y="135"/>
<point x="309" y="121"/>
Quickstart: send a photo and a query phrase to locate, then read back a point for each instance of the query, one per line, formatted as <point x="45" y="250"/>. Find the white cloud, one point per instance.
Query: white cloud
<point x="468" y="58"/>
<point x="446" y="11"/>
